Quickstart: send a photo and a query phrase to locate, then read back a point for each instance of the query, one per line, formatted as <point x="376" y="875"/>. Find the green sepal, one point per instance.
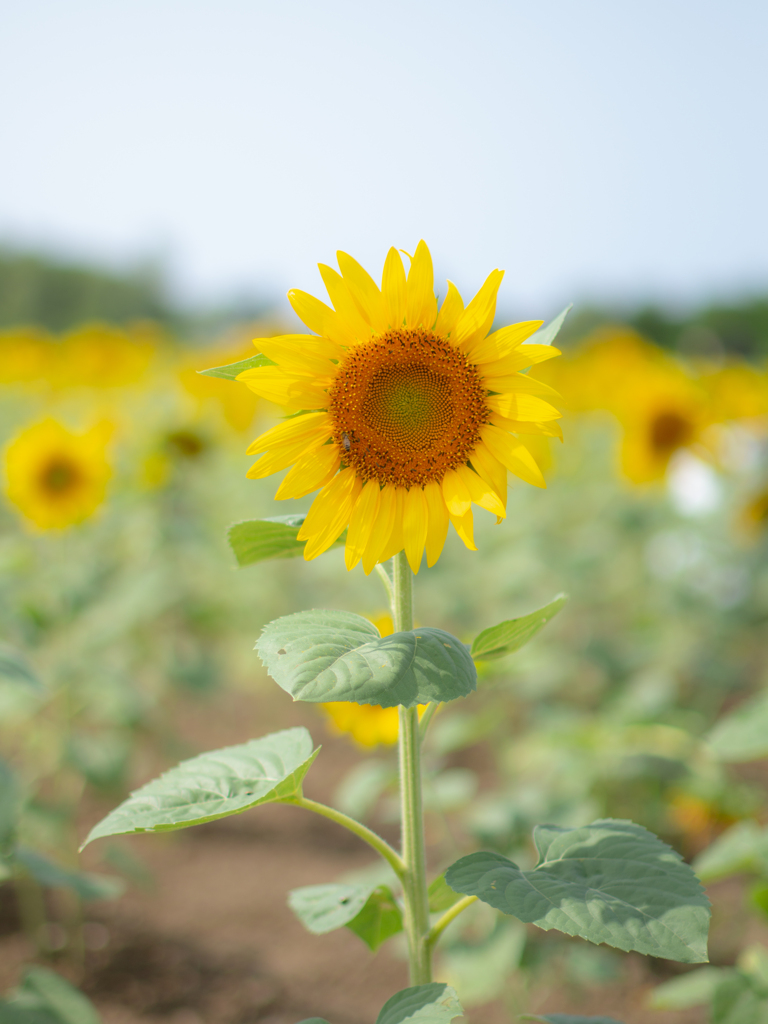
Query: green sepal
<point x="509" y="636"/>
<point x="323" y="656"/>
<point x="231" y="371"/>
<point x="435" y="1003"/>
<point x="611" y="881"/>
<point x="256" y="540"/>
<point x="215" y="785"/>
<point x="87" y="885"/>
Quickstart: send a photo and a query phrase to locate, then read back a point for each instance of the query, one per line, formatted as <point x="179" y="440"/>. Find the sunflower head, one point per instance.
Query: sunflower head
<point x="57" y="478"/>
<point x="402" y="412"/>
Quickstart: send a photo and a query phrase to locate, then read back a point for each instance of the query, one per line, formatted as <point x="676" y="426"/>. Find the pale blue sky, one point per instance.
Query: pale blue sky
<point x="604" y="148"/>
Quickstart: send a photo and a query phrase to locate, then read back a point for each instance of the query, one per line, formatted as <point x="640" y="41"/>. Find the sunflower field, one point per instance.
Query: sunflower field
<point x="626" y="541"/>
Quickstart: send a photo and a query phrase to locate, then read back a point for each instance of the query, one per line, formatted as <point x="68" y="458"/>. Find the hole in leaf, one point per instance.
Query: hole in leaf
<point x="282" y="651"/>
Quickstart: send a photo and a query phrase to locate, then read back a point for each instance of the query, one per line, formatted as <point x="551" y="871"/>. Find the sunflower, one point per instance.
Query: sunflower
<point x="55" y="477"/>
<point x="97" y="355"/>
<point x="402" y="413"/>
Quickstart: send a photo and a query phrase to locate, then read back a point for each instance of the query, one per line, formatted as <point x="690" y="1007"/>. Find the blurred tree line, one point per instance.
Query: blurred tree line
<point x="58" y="294"/>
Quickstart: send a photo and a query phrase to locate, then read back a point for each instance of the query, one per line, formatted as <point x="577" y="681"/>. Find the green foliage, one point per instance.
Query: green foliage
<point x="231" y="371"/>
<point x="371" y="912"/>
<point x="87" y="885"/>
<point x="256" y="540"/>
<point x="441" y="895"/>
<point x="547" y="334"/>
<point x="10" y="799"/>
<point x="423" y="1004"/>
<point x="612" y="882"/>
<point x="697" y="988"/>
<point x="379" y="919"/>
<point x="215" y="785"/>
<point x="743" y="847"/>
<point x="44" y="997"/>
<point x="335" y="656"/>
<point x="742" y="735"/>
<point x="15" y="668"/>
<point x="569" y="1018"/>
<point x="510" y="636"/>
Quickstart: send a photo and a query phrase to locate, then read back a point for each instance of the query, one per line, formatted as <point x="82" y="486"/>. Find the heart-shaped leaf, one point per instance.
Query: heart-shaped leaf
<point x="498" y="641"/>
<point x="612" y="882"/>
<point x="423" y="1004"/>
<point x="231" y="370"/>
<point x="256" y="540"/>
<point x="339" y="656"/>
<point x="215" y="785"/>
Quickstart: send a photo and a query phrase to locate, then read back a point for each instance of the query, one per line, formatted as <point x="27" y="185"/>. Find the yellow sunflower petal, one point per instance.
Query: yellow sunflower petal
<point x="270" y="382"/>
<point x="364" y="291"/>
<point x="281" y="457"/>
<point x="344" y="304"/>
<point x="450" y="311"/>
<point x="521" y="384"/>
<point x="361" y="523"/>
<point x="550" y="429"/>
<point x="455" y="493"/>
<point x="308" y="395"/>
<point x="393" y="288"/>
<point x="437" y="529"/>
<point x="291" y="430"/>
<point x="481" y="493"/>
<point x="523" y="407"/>
<point x="513" y="454"/>
<point x="382" y="528"/>
<point x="323" y="508"/>
<point x="312" y="470"/>
<point x="346" y="499"/>
<point x="414" y="526"/>
<point x="464" y="527"/>
<point x="421" y="304"/>
<point x="395" y="541"/>
<point x="301" y="353"/>
<point x="501" y="343"/>
<point x="320" y="318"/>
<point x="491" y="470"/>
<point x="519" y="359"/>
<point x="477" y="319"/>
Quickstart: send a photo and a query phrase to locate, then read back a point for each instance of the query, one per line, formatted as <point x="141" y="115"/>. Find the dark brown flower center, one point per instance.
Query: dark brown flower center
<point x="59" y="475"/>
<point x="670" y="430"/>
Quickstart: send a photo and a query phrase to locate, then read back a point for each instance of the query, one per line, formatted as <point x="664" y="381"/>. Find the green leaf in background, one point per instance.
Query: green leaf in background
<point x="309" y="1020"/>
<point x="369" y="911"/>
<point x="482" y="971"/>
<point x="510" y="636"/>
<point x="44" y="997"/>
<point x="743" y="847"/>
<point x="425" y="1004"/>
<point x="215" y="785"/>
<point x="547" y="334"/>
<point x="568" y="1018"/>
<point x="339" y="656"/>
<point x="15" y="668"/>
<point x="256" y="540"/>
<point x="611" y="881"/>
<point x="697" y="988"/>
<point x="738" y="1000"/>
<point x="441" y="895"/>
<point x="231" y="371"/>
<point x="742" y="735"/>
<point x="88" y="886"/>
<point x="9" y="807"/>
<point x="379" y="919"/>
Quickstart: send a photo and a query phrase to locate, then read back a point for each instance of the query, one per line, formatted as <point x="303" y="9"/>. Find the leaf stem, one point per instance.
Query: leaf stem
<point x="427" y="717"/>
<point x="381" y="846"/>
<point x="451" y="914"/>
<point x="415" y="896"/>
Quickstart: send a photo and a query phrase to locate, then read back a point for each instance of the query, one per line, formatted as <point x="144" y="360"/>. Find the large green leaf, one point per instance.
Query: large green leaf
<point x="369" y="911"/>
<point x="743" y="847"/>
<point x="510" y="636"/>
<point x="612" y="882"/>
<point x="215" y="785"/>
<point x="568" y="1018"/>
<point x="426" y="1004"/>
<point x="547" y="334"/>
<point x="742" y="735"/>
<point x="44" y="997"/>
<point x="15" y="668"/>
<point x="339" y="656"/>
<point x="256" y="540"/>
<point x="231" y="371"/>
<point x="87" y="886"/>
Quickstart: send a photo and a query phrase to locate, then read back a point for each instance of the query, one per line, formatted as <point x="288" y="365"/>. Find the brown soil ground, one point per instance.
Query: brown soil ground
<point x="213" y="942"/>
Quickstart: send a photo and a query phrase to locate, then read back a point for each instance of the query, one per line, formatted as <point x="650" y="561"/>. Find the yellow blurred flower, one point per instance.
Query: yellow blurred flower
<point x="55" y="477"/>
<point x="754" y="515"/>
<point x="737" y="392"/>
<point x="25" y="354"/>
<point x="238" y="405"/>
<point x="99" y="356"/>
<point x="367" y="724"/>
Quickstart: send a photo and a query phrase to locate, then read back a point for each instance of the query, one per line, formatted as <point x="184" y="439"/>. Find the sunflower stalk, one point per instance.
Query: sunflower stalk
<point x="415" y="895"/>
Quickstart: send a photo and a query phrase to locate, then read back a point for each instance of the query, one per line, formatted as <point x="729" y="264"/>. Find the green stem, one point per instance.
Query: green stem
<point x="380" y="845"/>
<point x="415" y="896"/>
<point x="427" y="717"/>
<point x="451" y="913"/>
